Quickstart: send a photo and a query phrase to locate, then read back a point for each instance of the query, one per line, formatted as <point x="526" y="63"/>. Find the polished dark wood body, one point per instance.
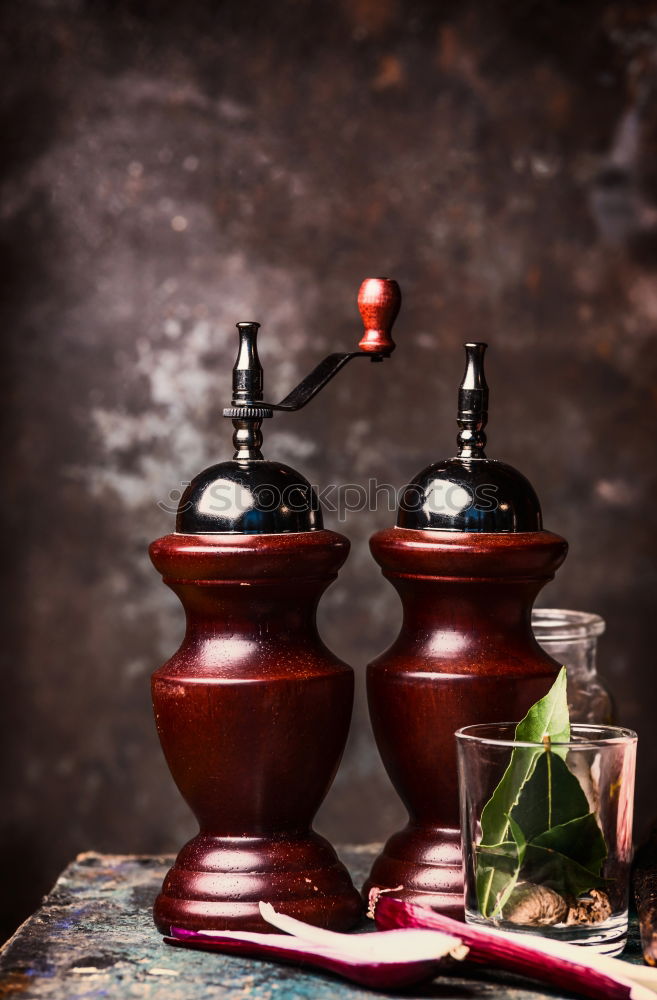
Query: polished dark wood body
<point x="252" y="713"/>
<point x="465" y="654"/>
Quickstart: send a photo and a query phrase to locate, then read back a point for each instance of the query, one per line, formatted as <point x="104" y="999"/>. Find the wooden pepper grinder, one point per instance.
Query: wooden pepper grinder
<point x="468" y="557"/>
<point x="253" y="710"/>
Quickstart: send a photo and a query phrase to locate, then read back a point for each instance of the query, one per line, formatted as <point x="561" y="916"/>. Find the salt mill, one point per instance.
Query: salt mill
<point x="468" y="557"/>
<point x="253" y="710"/>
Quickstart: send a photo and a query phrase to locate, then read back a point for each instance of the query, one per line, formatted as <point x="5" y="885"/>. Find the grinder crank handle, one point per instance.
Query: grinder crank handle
<point x="379" y="300"/>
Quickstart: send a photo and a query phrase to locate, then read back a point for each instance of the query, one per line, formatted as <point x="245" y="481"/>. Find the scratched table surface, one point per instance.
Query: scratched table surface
<point x="93" y="937"/>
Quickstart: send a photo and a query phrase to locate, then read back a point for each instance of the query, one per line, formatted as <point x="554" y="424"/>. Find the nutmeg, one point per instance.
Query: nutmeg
<point x="535" y="905"/>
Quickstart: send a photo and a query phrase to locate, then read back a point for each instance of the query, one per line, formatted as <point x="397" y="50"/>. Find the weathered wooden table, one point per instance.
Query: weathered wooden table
<point x="94" y="937"/>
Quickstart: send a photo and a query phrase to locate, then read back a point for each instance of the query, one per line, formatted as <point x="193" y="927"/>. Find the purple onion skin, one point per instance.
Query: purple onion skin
<point x="505" y="953"/>
<point x="373" y="975"/>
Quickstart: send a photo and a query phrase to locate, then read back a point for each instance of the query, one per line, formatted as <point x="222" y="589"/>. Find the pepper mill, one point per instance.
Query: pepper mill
<point x="468" y="557"/>
<point x="253" y="710"/>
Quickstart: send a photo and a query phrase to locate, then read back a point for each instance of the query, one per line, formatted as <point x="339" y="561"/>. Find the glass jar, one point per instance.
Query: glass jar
<point x="571" y="638"/>
<point x="554" y="860"/>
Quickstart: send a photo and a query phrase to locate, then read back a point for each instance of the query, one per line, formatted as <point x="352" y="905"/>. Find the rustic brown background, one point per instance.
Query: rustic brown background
<point x="171" y="168"/>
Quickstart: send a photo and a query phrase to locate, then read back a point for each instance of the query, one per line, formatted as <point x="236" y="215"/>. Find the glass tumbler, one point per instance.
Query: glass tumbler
<point x="571" y="638"/>
<point x="547" y="832"/>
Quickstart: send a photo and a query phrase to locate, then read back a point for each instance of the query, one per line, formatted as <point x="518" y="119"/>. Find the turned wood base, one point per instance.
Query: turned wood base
<point x="426" y="861"/>
<point x="217" y="882"/>
<point x="465" y="654"/>
<point x="253" y="712"/>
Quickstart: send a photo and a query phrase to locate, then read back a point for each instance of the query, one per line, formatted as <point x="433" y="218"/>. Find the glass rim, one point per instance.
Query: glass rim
<point x="562" y="624"/>
<point x="616" y="735"/>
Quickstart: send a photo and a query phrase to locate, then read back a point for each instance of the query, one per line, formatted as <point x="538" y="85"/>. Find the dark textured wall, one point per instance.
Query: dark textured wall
<point x="172" y="168"/>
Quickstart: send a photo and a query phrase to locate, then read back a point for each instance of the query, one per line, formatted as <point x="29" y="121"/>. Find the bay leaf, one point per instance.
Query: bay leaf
<point x="549" y="718"/>
<point x="503" y="856"/>
<point x="559" y="872"/>
<point x="497" y="868"/>
<point x="567" y="858"/>
<point x="550" y="797"/>
<point x="501" y="892"/>
<point x="581" y="839"/>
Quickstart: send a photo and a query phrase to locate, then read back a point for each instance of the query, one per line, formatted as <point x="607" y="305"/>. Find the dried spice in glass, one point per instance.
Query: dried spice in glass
<point x="546" y="819"/>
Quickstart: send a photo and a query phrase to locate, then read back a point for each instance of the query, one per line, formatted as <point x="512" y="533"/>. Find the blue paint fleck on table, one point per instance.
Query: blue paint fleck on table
<point x="93" y="937"/>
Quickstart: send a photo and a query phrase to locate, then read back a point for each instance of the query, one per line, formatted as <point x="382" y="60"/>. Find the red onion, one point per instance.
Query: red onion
<point x="387" y="960"/>
<point x="556" y="963"/>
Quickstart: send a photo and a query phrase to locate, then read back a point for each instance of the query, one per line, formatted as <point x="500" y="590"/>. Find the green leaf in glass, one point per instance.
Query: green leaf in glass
<point x="559" y="872"/>
<point x="581" y="839"/>
<point x="550" y="797"/>
<point x="547" y="719"/>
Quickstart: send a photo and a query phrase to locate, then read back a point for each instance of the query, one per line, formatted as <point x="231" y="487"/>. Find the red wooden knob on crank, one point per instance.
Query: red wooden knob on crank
<point x="379" y="300"/>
